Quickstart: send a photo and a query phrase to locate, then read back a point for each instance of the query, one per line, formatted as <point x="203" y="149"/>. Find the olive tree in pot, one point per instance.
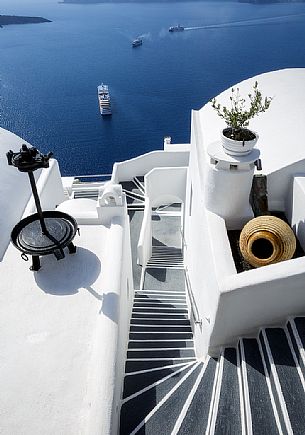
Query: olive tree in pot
<point x="237" y="139"/>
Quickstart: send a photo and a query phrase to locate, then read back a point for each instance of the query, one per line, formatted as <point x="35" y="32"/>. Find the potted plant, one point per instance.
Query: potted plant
<point x="237" y="138"/>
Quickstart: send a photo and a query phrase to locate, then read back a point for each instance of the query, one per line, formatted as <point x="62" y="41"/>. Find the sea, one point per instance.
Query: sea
<point x="49" y="72"/>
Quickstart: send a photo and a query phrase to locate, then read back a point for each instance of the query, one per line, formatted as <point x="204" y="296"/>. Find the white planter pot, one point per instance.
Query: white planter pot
<point x="238" y="147"/>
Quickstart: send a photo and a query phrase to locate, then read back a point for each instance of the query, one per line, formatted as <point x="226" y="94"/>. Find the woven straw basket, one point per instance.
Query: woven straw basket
<point x="266" y="240"/>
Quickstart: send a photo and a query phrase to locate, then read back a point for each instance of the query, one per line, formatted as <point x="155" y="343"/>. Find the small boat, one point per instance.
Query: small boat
<point x="104" y="99"/>
<point x="176" y="28"/>
<point x="137" y="42"/>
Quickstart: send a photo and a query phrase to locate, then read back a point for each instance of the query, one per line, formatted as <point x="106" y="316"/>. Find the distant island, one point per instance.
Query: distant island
<point x="5" y="20"/>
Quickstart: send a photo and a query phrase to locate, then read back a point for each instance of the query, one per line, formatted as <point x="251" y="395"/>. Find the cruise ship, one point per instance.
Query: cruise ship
<point x="176" y="28"/>
<point x="104" y="99"/>
<point x="150" y="323"/>
<point x="137" y="42"/>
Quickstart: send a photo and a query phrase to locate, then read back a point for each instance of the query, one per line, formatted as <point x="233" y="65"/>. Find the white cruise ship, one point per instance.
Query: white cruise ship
<point x="104" y="99"/>
<point x="152" y="326"/>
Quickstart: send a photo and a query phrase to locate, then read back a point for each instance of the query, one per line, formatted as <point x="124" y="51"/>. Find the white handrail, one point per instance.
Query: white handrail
<point x="144" y="248"/>
<point x="183" y="239"/>
<point x="194" y="308"/>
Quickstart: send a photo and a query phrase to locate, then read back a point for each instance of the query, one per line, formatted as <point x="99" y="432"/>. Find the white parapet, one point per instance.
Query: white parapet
<point x="162" y="186"/>
<point x="49" y="187"/>
<point x="110" y="203"/>
<point x="166" y="185"/>
<point x="15" y="193"/>
<point x="296" y="208"/>
<point x="144" y="163"/>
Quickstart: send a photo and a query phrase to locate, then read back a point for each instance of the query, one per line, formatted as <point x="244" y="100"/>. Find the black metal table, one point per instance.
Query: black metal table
<point x="45" y="232"/>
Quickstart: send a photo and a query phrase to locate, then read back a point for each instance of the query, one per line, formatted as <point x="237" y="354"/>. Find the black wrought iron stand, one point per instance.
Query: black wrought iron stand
<point x="45" y="232"/>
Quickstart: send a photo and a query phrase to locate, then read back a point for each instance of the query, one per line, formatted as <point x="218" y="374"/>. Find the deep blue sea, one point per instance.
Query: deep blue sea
<point x="49" y="72"/>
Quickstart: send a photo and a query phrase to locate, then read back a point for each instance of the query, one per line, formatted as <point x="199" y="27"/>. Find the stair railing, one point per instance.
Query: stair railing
<point x="194" y="307"/>
<point x="144" y="247"/>
<point x="184" y="245"/>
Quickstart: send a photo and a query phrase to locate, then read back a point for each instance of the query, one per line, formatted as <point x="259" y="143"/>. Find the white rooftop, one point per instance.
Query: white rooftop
<point x="48" y="322"/>
<point x="280" y="128"/>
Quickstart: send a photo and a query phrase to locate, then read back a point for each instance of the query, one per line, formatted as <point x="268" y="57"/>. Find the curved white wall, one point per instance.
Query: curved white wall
<point x="15" y="192"/>
<point x="296" y="207"/>
<point x="239" y="304"/>
<point x="141" y="165"/>
<point x="279" y="186"/>
<point x="198" y="255"/>
<point x="106" y="377"/>
<point x="162" y="186"/>
<point x="50" y="189"/>
<point x="165" y="185"/>
<point x="256" y="298"/>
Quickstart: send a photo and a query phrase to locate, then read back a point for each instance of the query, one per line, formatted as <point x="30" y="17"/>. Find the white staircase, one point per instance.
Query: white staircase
<point x="257" y="388"/>
<point x="166" y="257"/>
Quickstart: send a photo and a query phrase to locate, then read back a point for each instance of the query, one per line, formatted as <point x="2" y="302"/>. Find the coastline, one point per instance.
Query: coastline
<point x="6" y="20"/>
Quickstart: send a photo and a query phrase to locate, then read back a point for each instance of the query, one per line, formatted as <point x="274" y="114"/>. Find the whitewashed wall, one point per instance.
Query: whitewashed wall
<point x="165" y="185"/>
<point x="50" y="189"/>
<point x="125" y="308"/>
<point x="296" y="208"/>
<point x="256" y="298"/>
<point x="237" y="304"/>
<point x="141" y="165"/>
<point x="162" y="186"/>
<point x="176" y="146"/>
<point x="198" y="253"/>
<point x="15" y="189"/>
<point x="106" y="378"/>
<point x="280" y="185"/>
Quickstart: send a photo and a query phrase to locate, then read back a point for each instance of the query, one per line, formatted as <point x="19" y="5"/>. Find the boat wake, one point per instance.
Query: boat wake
<point x="253" y="22"/>
<point x="145" y="36"/>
